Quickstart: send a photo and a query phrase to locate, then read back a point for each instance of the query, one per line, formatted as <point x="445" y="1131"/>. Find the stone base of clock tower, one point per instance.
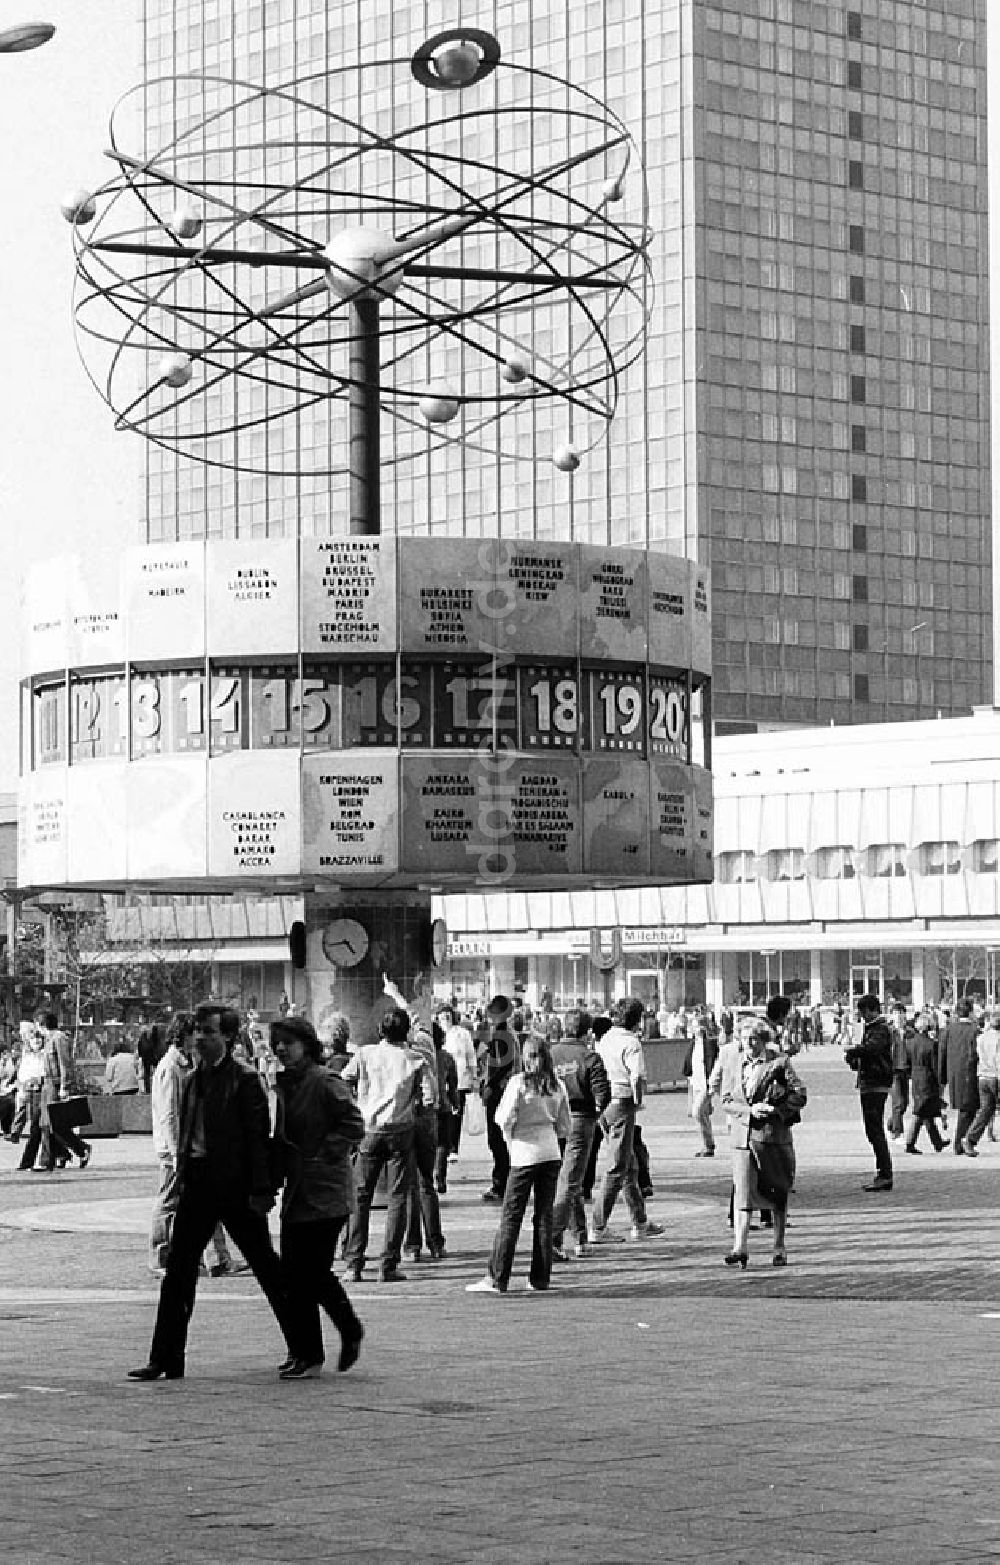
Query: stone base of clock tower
<point x="351" y="942"/>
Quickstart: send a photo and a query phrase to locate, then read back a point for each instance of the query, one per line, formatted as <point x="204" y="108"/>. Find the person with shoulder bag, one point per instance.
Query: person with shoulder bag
<point x="765" y="1099"/>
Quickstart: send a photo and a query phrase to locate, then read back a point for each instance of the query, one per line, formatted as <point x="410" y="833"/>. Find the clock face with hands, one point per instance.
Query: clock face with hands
<point x="345" y="942"/>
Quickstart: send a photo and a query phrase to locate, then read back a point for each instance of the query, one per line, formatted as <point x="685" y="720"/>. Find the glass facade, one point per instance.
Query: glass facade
<point x="811" y="415"/>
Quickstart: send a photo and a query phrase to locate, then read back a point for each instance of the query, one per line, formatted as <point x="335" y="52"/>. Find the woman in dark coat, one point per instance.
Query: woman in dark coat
<point x="317" y="1125"/>
<point x="925" y="1087"/>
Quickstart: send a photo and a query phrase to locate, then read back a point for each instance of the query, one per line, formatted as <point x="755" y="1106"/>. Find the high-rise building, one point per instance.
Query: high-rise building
<point x="811" y="413"/>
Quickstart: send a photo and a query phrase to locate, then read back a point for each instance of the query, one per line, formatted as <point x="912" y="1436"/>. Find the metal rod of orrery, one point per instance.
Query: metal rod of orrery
<point x="364" y="417"/>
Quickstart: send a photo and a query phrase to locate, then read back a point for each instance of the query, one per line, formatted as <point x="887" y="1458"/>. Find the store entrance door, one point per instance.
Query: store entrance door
<point x="865" y="980"/>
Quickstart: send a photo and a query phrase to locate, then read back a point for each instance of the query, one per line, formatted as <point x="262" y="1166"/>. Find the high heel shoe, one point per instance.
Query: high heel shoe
<point x="779" y="1258"/>
<point x="734" y="1258"/>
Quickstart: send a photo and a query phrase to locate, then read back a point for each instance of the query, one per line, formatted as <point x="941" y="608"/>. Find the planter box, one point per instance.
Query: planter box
<point x="106" y="1114"/>
<point x="137" y="1114"/>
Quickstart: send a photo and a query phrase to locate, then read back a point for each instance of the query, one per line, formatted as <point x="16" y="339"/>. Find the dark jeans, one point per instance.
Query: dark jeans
<point x="307" y="1252"/>
<point x="590" y="1177"/>
<point x="930" y="1120"/>
<point x="873" y="1113"/>
<point x="569" y="1208"/>
<point x="202" y="1205"/>
<point x="455" y="1135"/>
<point x="900" y="1101"/>
<point x="423" y="1201"/>
<point x="987" y="1108"/>
<point x="380" y="1149"/>
<point x="497" y="1144"/>
<point x="33" y="1119"/>
<point x="541" y="1178"/>
<point x="964" y="1119"/>
<point x="446" y="1122"/>
<point x="7" y="1100"/>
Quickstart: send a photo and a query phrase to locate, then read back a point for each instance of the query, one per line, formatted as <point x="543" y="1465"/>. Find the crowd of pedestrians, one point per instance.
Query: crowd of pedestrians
<point x="242" y="1117"/>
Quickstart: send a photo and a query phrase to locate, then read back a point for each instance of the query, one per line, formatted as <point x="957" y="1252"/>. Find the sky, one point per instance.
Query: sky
<point x="67" y="480"/>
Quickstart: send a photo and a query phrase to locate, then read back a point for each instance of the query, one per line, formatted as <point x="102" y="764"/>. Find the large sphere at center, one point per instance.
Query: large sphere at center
<point x="359" y="257"/>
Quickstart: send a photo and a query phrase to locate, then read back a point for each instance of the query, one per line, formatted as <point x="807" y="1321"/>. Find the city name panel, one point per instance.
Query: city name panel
<point x="366" y="711"/>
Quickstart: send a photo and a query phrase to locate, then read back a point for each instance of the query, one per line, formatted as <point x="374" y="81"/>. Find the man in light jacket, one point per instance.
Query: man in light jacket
<point x="621" y="1052"/>
<point x="388" y="1077"/>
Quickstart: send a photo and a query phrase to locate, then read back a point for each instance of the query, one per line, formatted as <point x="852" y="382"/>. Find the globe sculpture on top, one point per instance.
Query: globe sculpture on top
<point x="472" y="248"/>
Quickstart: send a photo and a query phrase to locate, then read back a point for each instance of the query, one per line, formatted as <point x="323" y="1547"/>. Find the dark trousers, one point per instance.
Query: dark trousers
<point x="930" y="1120"/>
<point x="497" y="1144"/>
<point x="641" y="1151"/>
<point x="389" y="1149"/>
<point x="455" y="1134"/>
<point x="900" y="1101"/>
<point x="446" y="1121"/>
<point x="873" y="1113"/>
<point x="987" y="1108"/>
<point x="307" y="1253"/>
<point x="423" y="1201"/>
<point x="964" y="1119"/>
<point x="569" y="1210"/>
<point x="590" y="1176"/>
<point x="33" y="1118"/>
<point x="7" y="1100"/>
<point x="202" y="1204"/>
<point x="541" y="1178"/>
<point x="62" y="1134"/>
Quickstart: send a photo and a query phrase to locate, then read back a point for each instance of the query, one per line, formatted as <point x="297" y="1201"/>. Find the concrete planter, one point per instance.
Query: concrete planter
<point x="137" y="1114"/>
<point x="106" y="1117"/>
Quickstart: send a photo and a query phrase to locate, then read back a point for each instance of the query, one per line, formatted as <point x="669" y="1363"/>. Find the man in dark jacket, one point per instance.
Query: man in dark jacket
<point x="902" y="1051"/>
<point x="581" y="1071"/>
<point x="224" y="1175"/>
<point x="498" y="1057"/>
<point x="958" y="1068"/>
<point x="872" y="1059"/>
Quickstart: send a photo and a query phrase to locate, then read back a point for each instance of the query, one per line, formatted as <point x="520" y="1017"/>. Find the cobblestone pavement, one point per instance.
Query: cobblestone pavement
<point x="653" y="1406"/>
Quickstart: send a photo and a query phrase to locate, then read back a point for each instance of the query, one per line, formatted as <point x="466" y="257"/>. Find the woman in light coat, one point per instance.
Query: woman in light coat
<point x="764" y="1105"/>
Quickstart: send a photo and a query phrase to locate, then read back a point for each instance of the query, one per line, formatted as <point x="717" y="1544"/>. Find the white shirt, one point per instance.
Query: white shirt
<point x="387" y="1087"/>
<point x="458" y="1042"/>
<point x="624" y="1062"/>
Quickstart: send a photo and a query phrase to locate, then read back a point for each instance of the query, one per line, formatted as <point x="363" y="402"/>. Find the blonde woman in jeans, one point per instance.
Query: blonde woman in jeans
<point x="534" y="1117"/>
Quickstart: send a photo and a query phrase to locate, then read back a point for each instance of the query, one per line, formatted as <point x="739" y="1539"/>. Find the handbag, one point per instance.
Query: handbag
<point x="475" y="1115"/>
<point x="72" y="1112"/>
<point x="775" y="1162"/>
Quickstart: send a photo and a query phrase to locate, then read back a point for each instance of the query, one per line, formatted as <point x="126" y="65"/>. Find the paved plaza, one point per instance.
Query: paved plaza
<point x="654" y="1406"/>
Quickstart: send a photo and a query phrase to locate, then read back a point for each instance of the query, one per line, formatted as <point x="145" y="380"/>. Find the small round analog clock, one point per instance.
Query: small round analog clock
<point x="345" y="942"/>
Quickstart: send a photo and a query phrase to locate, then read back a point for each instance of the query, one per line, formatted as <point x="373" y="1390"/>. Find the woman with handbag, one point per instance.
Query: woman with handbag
<point x="764" y="1106"/>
